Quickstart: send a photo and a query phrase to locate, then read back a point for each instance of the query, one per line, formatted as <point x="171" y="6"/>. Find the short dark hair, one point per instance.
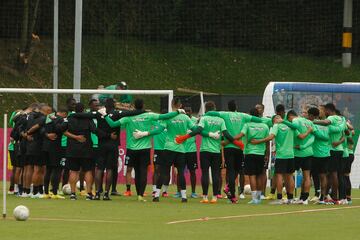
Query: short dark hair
<point x="254" y="112"/>
<point x="109" y="103"/>
<point x="210" y="106"/>
<point x="330" y="106"/>
<point x="69" y="100"/>
<point x="176" y="101"/>
<point x="62" y="109"/>
<point x="291" y="113"/>
<point x="79" y="107"/>
<point x="337" y="112"/>
<point x="280" y="108"/>
<point x="232" y="105"/>
<point x="188" y="109"/>
<point x="314" y="111"/>
<point x="139" y="104"/>
<point x="92" y="101"/>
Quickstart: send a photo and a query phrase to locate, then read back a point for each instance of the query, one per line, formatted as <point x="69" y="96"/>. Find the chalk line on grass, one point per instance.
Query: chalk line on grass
<point x="261" y="214"/>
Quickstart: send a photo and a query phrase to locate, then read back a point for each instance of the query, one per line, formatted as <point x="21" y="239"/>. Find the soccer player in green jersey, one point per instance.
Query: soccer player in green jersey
<point x="336" y="148"/>
<point x="254" y="155"/>
<point x="234" y="156"/>
<point x="267" y="120"/>
<point x="284" y="163"/>
<point x="210" y="149"/>
<point x="138" y="140"/>
<point x="303" y="151"/>
<point x="321" y="153"/>
<point x="349" y="161"/>
<point x="175" y="153"/>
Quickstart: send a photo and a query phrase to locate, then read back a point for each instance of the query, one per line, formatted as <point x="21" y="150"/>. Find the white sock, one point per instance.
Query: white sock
<point x="165" y="188"/>
<point x="154" y="188"/>
<point x="254" y="195"/>
<point x="157" y="192"/>
<point x="205" y="197"/>
<point x="183" y="193"/>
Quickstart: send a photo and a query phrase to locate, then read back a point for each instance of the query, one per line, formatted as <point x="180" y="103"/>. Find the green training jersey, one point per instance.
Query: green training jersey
<point x="160" y="139"/>
<point x="302" y="125"/>
<point x="64" y="138"/>
<point x="267" y="121"/>
<point x="11" y="146"/>
<point x="177" y="126"/>
<point x="211" y="124"/>
<point x="234" y="122"/>
<point x="351" y="146"/>
<point x="190" y="144"/>
<point x="284" y="141"/>
<point x="254" y="130"/>
<point x="321" y="145"/>
<point x="336" y="136"/>
<point x="142" y="122"/>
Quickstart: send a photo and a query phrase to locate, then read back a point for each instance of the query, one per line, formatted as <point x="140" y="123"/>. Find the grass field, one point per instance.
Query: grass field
<point x="125" y="218"/>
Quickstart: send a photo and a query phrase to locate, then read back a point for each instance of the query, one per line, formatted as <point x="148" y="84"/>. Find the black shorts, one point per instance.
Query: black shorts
<point x="34" y="160"/>
<point x="347" y="163"/>
<point x="334" y="162"/>
<point x="107" y="156"/>
<point x="285" y="166"/>
<point x="254" y="164"/>
<point x="158" y="158"/>
<point x="234" y="157"/>
<point x="208" y="159"/>
<point x="134" y="156"/>
<point x="303" y="163"/>
<point x="191" y="161"/>
<point x="54" y="158"/>
<point x="319" y="165"/>
<point x="85" y="164"/>
<point x="176" y="158"/>
<point x="15" y="160"/>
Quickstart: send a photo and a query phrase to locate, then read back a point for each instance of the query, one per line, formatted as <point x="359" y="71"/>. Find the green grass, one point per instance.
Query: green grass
<point x="164" y="66"/>
<point x="134" y="220"/>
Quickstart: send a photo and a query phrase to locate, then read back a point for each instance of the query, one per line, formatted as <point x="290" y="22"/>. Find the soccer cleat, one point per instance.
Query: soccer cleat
<point x="343" y="202"/>
<point x="227" y="191"/>
<point x="165" y="194"/>
<point x="328" y="202"/>
<point x="24" y="195"/>
<point x="314" y="199"/>
<point x="177" y="195"/>
<point x="106" y="197"/>
<point x="46" y="196"/>
<point x="127" y="194"/>
<point x="233" y="200"/>
<point x="73" y="197"/>
<point x="349" y="202"/>
<point x="219" y="196"/>
<point x="194" y="195"/>
<point x="97" y="196"/>
<point x="35" y="196"/>
<point x="278" y="202"/>
<point x="270" y="197"/>
<point x="213" y="200"/>
<point x="254" y="202"/>
<point x="56" y="196"/>
<point x="10" y="192"/>
<point x="262" y="197"/>
<point x="89" y="197"/>
<point x="156" y="199"/>
<point x="284" y="197"/>
<point x="204" y="200"/>
<point x="184" y="200"/>
<point x="241" y="196"/>
<point x="141" y="199"/>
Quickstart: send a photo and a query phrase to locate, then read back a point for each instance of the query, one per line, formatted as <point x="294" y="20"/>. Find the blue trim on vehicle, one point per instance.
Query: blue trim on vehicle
<point x="317" y="87"/>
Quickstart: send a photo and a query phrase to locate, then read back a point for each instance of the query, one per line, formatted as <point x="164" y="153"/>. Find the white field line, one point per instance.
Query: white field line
<point x="261" y="214"/>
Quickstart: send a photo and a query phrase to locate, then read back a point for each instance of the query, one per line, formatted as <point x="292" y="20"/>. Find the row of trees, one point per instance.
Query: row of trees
<point x="304" y="26"/>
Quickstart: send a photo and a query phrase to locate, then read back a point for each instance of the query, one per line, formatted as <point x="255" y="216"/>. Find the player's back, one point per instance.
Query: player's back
<point x="176" y="126"/>
<point x="211" y="124"/>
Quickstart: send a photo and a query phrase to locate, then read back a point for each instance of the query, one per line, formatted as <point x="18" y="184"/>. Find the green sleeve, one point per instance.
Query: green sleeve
<point x="157" y="129"/>
<point x="336" y="129"/>
<point x="213" y="114"/>
<point x="321" y="135"/>
<point x="256" y="119"/>
<point x="204" y="133"/>
<point x="290" y="125"/>
<point x="11" y="122"/>
<point x="308" y="143"/>
<point x="113" y="123"/>
<point x="167" y="115"/>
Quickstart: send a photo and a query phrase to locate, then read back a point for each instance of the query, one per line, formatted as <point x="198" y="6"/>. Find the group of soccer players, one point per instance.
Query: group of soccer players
<point x="75" y="143"/>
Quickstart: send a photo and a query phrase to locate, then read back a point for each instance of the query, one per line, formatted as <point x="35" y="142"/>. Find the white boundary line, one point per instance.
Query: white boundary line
<point x="261" y="214"/>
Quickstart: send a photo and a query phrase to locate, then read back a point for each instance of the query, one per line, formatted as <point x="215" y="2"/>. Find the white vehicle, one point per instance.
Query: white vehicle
<point x="301" y="95"/>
